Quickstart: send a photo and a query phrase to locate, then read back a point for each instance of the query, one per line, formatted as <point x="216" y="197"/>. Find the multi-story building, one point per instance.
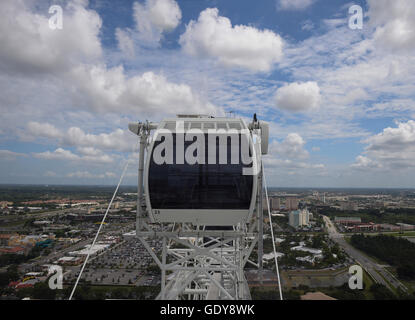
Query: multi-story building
<point x="299" y="218"/>
<point x="347" y="220"/>
<point x="275" y="203"/>
<point x="291" y="203"/>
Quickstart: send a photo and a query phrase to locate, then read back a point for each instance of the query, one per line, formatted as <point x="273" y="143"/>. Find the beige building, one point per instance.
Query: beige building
<point x="291" y="203"/>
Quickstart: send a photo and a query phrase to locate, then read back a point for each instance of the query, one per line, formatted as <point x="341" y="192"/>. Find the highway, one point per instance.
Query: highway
<point x="376" y="271"/>
<point x="56" y="255"/>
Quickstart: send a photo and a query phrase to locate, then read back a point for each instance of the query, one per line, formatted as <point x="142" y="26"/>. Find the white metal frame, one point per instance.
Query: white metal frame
<point x="195" y="263"/>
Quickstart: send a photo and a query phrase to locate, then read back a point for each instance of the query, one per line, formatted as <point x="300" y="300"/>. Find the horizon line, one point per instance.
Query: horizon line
<point x="111" y="185"/>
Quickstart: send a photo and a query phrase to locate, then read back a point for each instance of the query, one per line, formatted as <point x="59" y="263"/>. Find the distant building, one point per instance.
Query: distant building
<point x="5" y="238"/>
<point x="26" y="241"/>
<point x="5" y="204"/>
<point x="299" y="218"/>
<point x="275" y="203"/>
<point x="314" y="278"/>
<point x="390" y="227"/>
<point x="347" y="220"/>
<point x="70" y="261"/>
<point x="406" y="227"/>
<point x="291" y="203"/>
<point x="366" y="227"/>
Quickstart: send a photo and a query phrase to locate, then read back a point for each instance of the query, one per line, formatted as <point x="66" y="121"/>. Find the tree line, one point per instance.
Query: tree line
<point x="398" y="252"/>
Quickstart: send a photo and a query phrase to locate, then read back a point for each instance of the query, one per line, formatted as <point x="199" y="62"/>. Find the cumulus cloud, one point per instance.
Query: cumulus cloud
<point x="10" y="155"/>
<point x="294" y="4"/>
<point x="74" y="54"/>
<point x="118" y="140"/>
<point x="46" y="130"/>
<point x="165" y="15"/>
<point x="290" y="154"/>
<point x="394" y="22"/>
<point x="153" y="18"/>
<point x="234" y="46"/>
<point x="58" y="154"/>
<point x="291" y="147"/>
<point x="394" y="148"/>
<point x="125" y="42"/>
<point x="28" y="45"/>
<point x="298" y="97"/>
<point x="365" y="163"/>
<point x="110" y="90"/>
<point x="88" y="175"/>
<point x="67" y="155"/>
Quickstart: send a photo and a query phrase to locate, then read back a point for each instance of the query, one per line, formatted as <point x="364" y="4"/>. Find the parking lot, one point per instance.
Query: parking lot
<point x="123" y="264"/>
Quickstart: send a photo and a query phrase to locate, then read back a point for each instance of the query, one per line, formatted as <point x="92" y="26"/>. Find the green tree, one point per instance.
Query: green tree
<point x="42" y="291"/>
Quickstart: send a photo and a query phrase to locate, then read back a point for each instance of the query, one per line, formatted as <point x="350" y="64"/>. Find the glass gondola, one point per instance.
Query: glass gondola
<point x="213" y="193"/>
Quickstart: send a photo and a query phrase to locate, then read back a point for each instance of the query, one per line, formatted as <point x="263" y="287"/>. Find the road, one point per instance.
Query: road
<point x="26" y="267"/>
<point x="376" y="271"/>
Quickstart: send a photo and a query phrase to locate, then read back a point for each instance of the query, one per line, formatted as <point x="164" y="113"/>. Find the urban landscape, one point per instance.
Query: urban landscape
<point x="317" y="239"/>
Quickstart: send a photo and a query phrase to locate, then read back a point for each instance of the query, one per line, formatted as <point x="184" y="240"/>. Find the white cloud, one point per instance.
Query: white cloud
<point x="10" y="155"/>
<point x="393" y="139"/>
<point x="297" y="97"/>
<point x="155" y="17"/>
<point x="58" y="154"/>
<point x="44" y="130"/>
<point x="234" y="46"/>
<point x="118" y="140"/>
<point x="290" y="154"/>
<point x="125" y="42"/>
<point x="67" y="155"/>
<point x="163" y="14"/>
<point x="395" y="24"/>
<point x="88" y="151"/>
<point x="365" y="163"/>
<point x="307" y="25"/>
<point x="294" y="4"/>
<point x="28" y="45"/>
<point x="291" y="147"/>
<point x="110" y="90"/>
<point x="394" y="148"/>
<point x="88" y="175"/>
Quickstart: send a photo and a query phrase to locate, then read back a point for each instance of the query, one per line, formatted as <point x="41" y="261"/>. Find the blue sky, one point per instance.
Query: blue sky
<point x="340" y="101"/>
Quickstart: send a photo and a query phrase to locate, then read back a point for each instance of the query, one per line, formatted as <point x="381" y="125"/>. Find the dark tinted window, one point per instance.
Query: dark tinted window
<point x="199" y="186"/>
